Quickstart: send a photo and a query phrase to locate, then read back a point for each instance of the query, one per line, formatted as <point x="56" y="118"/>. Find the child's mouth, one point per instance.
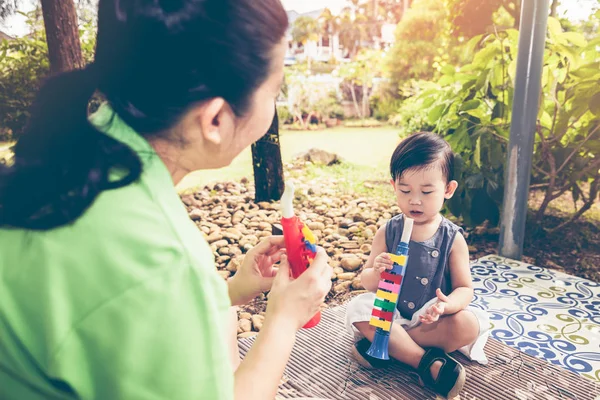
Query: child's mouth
<point x="416" y="213"/>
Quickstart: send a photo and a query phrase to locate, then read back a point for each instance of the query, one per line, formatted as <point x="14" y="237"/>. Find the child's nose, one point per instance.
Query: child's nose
<point x="415" y="201"/>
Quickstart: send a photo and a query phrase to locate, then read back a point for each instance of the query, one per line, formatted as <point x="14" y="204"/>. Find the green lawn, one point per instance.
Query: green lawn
<point x="367" y="147"/>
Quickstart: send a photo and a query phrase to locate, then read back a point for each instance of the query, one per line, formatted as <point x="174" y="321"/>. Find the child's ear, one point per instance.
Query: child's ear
<point x="450" y="189"/>
<point x="393" y="182"/>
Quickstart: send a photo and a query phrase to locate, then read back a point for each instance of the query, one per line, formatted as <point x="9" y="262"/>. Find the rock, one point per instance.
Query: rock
<point x="220" y="243"/>
<point x="349" y="245"/>
<point x="357" y="284"/>
<point x="245" y="315"/>
<point x="245" y="335"/>
<point x="346" y="276"/>
<point x="265" y="205"/>
<point x="354" y="229"/>
<point x="238" y="217"/>
<point x="264" y="226"/>
<point x="472" y="249"/>
<point x="188" y="200"/>
<point x="316" y="226"/>
<point x="366" y="248"/>
<point x="257" y="322"/>
<point x="317" y="156"/>
<point x="351" y="263"/>
<point x="249" y="239"/>
<point x="196" y="214"/>
<point x="372" y="228"/>
<point x="342" y="287"/>
<point x="493" y="231"/>
<point x="235" y="263"/>
<point x="321" y="209"/>
<point x="224" y="250"/>
<point x="346" y="223"/>
<point x="337" y="270"/>
<point x="214" y="237"/>
<point x="245" y="325"/>
<point x="224" y="274"/>
<point x="358" y="217"/>
<point x="222" y="260"/>
<point x="233" y="234"/>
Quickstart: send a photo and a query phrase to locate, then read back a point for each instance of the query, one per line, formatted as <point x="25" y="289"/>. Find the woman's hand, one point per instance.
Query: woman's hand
<point x="257" y="271"/>
<point x="294" y="302"/>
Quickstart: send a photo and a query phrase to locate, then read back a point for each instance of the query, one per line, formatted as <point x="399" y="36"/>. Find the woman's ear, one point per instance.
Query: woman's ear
<point x="450" y="189"/>
<point x="208" y="116"/>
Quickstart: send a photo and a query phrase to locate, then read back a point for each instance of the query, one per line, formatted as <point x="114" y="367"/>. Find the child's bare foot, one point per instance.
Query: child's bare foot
<point x="435" y="369"/>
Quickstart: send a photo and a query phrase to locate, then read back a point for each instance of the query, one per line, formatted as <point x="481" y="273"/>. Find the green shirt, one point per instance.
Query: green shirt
<point x="125" y="303"/>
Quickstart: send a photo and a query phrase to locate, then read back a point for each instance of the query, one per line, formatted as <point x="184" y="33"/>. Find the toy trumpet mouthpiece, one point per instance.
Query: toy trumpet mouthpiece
<point x="407" y="231"/>
<point x="287" y="206"/>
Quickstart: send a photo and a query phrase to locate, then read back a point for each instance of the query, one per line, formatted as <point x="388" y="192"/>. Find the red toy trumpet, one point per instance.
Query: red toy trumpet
<point x="300" y="242"/>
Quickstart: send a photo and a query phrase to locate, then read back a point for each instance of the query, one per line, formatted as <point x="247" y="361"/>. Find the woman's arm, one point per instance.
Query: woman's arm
<point x="259" y="375"/>
<point x="291" y="304"/>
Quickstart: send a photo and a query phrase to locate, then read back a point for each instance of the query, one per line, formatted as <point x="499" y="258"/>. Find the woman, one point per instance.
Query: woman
<point x="108" y="290"/>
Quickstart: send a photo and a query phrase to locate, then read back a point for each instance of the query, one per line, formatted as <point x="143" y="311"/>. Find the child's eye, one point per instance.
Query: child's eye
<point x="427" y="192"/>
<point x="405" y="192"/>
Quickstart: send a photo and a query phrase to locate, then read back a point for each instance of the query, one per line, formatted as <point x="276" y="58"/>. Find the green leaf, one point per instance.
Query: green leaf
<point x="448" y="70"/>
<point x="460" y="140"/>
<point x="470" y="105"/>
<point x="499" y="110"/>
<point x="479" y="114"/>
<point x="428" y="101"/>
<point x="595" y="104"/>
<point x="546" y="120"/>
<point x="446" y="80"/>
<point x="477" y="155"/>
<point x="575" y="38"/>
<point x="436" y="113"/>
<point x="554" y="27"/>
<point x="470" y="46"/>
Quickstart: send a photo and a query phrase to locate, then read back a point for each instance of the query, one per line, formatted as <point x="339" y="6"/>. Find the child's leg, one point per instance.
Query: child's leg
<point x="450" y="333"/>
<point x="234" y="351"/>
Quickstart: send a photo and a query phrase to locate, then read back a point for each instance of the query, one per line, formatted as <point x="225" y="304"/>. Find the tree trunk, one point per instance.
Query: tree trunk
<point x="553" y="8"/>
<point x="354" y="101"/>
<point x="62" y="35"/>
<point x="266" y="161"/>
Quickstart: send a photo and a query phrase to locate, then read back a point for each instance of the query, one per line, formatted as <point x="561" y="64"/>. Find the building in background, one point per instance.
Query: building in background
<point x="325" y="48"/>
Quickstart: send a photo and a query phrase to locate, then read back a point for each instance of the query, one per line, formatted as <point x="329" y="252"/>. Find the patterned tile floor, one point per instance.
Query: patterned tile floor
<point x="547" y="314"/>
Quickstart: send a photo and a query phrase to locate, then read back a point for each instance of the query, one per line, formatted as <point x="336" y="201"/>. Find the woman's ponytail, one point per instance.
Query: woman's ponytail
<point x="61" y="162"/>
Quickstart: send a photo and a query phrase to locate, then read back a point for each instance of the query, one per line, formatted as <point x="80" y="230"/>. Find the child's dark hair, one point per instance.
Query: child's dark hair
<point x="154" y="60"/>
<point x="422" y="150"/>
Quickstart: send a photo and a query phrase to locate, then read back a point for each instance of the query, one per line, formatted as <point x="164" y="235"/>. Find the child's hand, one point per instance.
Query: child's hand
<point x="434" y="312"/>
<point x="383" y="262"/>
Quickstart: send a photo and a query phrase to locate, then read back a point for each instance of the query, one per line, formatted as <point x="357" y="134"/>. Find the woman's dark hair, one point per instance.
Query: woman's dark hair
<point x="154" y="59"/>
<point x="422" y="150"/>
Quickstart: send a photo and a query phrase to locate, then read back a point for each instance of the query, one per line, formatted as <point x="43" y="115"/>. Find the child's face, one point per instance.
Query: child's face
<point x="420" y="194"/>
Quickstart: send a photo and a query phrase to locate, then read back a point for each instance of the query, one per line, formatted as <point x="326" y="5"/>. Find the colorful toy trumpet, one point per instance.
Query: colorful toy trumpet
<point x="388" y="293"/>
<point x="300" y="242"/>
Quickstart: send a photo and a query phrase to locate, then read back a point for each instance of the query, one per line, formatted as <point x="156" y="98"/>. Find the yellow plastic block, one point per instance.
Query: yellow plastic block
<point x="400" y="260"/>
<point x="378" y="323"/>
<point x="308" y="235"/>
<point x="381" y="294"/>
